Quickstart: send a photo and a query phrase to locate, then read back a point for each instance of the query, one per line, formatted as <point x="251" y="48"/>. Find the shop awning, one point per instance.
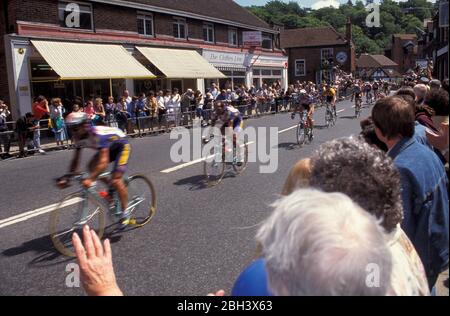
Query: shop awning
<point x="180" y="64"/>
<point x="73" y="61"/>
<point x="230" y="67"/>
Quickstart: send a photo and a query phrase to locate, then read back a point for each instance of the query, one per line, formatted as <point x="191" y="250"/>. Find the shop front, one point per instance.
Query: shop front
<point x="269" y="69"/>
<point x="67" y="70"/>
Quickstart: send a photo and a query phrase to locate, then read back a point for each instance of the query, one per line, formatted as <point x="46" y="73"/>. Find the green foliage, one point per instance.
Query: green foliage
<point x="396" y="18"/>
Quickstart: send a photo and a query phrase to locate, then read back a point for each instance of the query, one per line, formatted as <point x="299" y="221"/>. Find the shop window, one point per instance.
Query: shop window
<point x="179" y="29"/>
<point x="276" y="72"/>
<point x="42" y="70"/>
<point x="145" y="24"/>
<point x="75" y="15"/>
<point x="256" y="72"/>
<point x="266" y="72"/>
<point x="208" y="32"/>
<point x="327" y="54"/>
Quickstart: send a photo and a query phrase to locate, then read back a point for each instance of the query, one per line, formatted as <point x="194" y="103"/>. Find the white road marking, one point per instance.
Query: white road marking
<point x="30" y="214"/>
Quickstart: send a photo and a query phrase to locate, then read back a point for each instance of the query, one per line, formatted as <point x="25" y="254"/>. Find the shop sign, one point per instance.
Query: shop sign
<point x="223" y="58"/>
<point x="252" y="38"/>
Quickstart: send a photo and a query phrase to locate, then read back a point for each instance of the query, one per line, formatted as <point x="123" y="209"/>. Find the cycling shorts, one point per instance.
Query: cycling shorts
<point x="119" y="153"/>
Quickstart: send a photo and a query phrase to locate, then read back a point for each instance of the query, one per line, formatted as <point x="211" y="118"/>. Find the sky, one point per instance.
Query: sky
<point x="315" y="4"/>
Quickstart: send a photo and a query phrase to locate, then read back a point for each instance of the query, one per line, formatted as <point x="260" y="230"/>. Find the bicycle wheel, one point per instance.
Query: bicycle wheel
<point x="141" y="200"/>
<point x="241" y="160"/>
<point x="214" y="167"/>
<point x="301" y="136"/>
<point x="71" y="214"/>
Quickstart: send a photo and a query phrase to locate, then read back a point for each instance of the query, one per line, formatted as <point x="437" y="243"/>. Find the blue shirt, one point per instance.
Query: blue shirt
<point x="425" y="203"/>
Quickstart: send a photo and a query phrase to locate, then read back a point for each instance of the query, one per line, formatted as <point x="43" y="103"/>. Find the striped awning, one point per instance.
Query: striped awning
<point x="73" y="61"/>
<point x="229" y="67"/>
<point x="180" y="63"/>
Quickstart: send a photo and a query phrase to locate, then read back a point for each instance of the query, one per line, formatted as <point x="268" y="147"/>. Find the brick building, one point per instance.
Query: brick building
<point x="77" y="48"/>
<point x="404" y="51"/>
<point x="313" y="52"/>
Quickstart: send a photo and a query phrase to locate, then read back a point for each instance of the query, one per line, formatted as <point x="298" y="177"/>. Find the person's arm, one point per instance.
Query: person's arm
<point x="95" y="262"/>
<point x="409" y="222"/>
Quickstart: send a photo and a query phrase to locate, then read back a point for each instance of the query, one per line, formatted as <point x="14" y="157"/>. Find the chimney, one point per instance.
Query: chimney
<point x="348" y="31"/>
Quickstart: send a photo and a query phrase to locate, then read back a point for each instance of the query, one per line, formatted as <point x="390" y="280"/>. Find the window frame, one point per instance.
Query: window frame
<point x="297" y="74"/>
<point x="209" y="27"/>
<point x="232" y="30"/>
<point x="146" y="16"/>
<point x="79" y="3"/>
<point x="178" y="22"/>
<point x="329" y="49"/>
<point x="266" y="36"/>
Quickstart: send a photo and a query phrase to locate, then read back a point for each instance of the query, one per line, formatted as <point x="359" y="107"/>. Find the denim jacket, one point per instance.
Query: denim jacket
<point x="425" y="201"/>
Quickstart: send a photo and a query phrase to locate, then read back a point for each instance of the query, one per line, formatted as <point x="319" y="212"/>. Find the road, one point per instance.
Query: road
<point x="199" y="241"/>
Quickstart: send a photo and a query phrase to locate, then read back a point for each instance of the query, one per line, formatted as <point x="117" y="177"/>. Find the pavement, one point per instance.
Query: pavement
<point x="200" y="239"/>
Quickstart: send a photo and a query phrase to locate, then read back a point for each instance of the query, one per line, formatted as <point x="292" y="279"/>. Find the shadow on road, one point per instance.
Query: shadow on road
<point x="289" y="146"/>
<point x="47" y="255"/>
<point x="348" y="117"/>
<point x="198" y="182"/>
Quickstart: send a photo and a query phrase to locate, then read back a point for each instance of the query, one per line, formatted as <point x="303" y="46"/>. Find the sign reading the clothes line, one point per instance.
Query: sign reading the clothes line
<point x="252" y="38"/>
<point x="215" y="57"/>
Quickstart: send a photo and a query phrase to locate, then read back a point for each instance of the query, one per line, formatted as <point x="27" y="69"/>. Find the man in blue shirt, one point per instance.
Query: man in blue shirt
<point x="424" y="184"/>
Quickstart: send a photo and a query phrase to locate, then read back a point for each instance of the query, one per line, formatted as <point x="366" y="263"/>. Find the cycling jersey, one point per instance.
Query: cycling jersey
<point x="232" y="116"/>
<point x="329" y="92"/>
<point x="101" y="137"/>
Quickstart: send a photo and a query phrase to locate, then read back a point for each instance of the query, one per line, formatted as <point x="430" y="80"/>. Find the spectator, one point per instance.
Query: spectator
<point x="5" y="139"/>
<point x="110" y="110"/>
<point x="377" y="189"/>
<point x="199" y="104"/>
<point x="176" y="105"/>
<point x="370" y="136"/>
<point x="214" y="90"/>
<point x="25" y="132"/>
<point x="319" y="244"/>
<point x="298" y="177"/>
<point x="89" y="110"/>
<point x="122" y="115"/>
<point x="128" y="98"/>
<point x="40" y="110"/>
<point x="424" y="184"/>
<point x="57" y="119"/>
<point x="99" y="111"/>
<point x="152" y="104"/>
<point x="161" y="106"/>
<point x="420" y="91"/>
<point x="187" y="100"/>
<point x="223" y="97"/>
<point x="445" y="85"/>
<point x="435" y="85"/>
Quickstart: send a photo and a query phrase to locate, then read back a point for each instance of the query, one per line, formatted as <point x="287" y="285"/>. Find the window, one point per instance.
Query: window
<point x="233" y="37"/>
<point x="267" y="41"/>
<point x="300" y="67"/>
<point x="208" y="32"/>
<point x="75" y="15"/>
<point x="179" y="29"/>
<point x="327" y="53"/>
<point x="145" y="24"/>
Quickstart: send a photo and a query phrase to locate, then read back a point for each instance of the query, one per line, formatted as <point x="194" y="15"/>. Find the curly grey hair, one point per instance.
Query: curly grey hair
<point x="365" y="174"/>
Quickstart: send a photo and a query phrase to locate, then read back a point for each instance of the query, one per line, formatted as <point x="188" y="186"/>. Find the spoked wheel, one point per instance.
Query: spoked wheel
<point x="241" y="159"/>
<point x="214" y="167"/>
<point x="141" y="200"/>
<point x="301" y="135"/>
<point x="70" y="216"/>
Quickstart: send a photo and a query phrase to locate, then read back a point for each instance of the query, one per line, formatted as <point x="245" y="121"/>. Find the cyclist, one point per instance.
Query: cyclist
<point x="230" y="117"/>
<point x="368" y="92"/>
<point x="112" y="147"/>
<point x="306" y="103"/>
<point x="357" y="94"/>
<point x="375" y="88"/>
<point x="330" y="95"/>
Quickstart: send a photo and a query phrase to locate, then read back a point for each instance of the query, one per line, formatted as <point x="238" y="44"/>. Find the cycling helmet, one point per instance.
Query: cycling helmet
<point x="76" y="119"/>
